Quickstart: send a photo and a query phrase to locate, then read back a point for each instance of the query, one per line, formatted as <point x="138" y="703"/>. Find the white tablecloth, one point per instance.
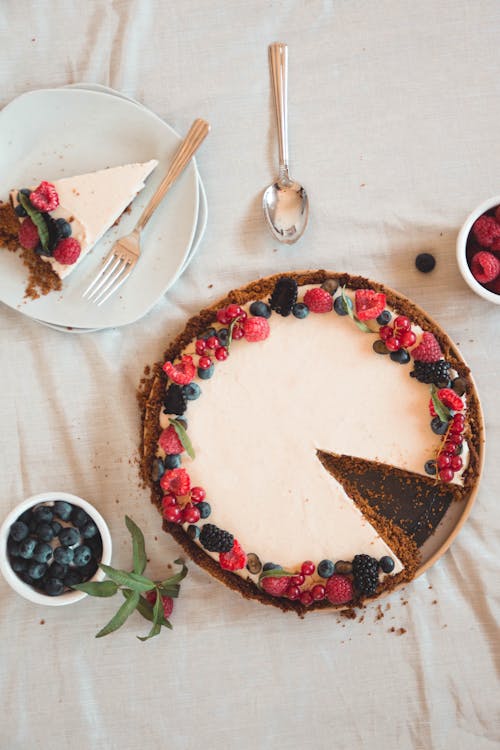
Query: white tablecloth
<point x="394" y="128"/>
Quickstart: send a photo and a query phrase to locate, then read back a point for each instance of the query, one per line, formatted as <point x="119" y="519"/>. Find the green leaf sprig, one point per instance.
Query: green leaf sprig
<point x="441" y="410"/>
<point x="348" y="308"/>
<point x="183" y="437"/>
<point x="132" y="584"/>
<point x="37" y="219"/>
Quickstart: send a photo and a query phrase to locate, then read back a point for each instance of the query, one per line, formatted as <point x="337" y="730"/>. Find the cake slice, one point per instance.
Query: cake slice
<point x="62" y="220"/>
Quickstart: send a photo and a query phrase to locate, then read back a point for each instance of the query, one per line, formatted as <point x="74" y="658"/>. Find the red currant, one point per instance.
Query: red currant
<point x="307" y="568"/>
<point x="402" y="323"/>
<point x="233" y="311"/>
<point x="238" y="332"/>
<point x="444" y="460"/>
<point x="458" y="419"/>
<point x="198" y="494"/>
<point x="168" y="500"/>
<point x="173" y="513"/>
<point x="222" y="316"/>
<point x="456" y="428"/>
<point x="385" y="332"/>
<point x="221" y="354"/>
<point x="242" y="316"/>
<point x="393" y="344"/>
<point x="204" y="363"/>
<point x="446" y="475"/>
<point x="306" y="598"/>
<point x="297" y="580"/>
<point x="293" y="592"/>
<point x="212" y="342"/>
<point x="318" y="592"/>
<point x="456" y="463"/>
<point x="449" y="447"/>
<point x="408" y="339"/>
<point x="454" y="439"/>
<point x="190" y="514"/>
<point x="200" y="346"/>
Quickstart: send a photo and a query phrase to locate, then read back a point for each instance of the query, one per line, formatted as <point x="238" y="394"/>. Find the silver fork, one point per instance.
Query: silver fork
<point x="123" y="256"/>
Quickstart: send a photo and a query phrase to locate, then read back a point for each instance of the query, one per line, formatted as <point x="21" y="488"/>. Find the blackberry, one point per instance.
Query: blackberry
<point x="215" y="539"/>
<point x="284" y="296"/>
<point x="431" y="372"/>
<point x="175" y="400"/>
<point x="365" y="572"/>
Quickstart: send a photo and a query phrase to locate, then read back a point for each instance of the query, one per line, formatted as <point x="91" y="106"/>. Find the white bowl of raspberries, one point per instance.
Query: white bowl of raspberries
<point x="478" y="250"/>
<point x="50" y="542"/>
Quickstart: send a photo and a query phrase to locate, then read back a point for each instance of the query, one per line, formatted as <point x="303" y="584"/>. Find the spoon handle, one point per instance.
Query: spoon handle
<point x="278" y="62"/>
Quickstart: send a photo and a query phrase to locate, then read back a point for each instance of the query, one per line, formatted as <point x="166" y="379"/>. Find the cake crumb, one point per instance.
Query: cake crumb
<point x="349" y="614"/>
<point x="379" y="614"/>
<point x="435" y="601"/>
<point x="42" y="622"/>
<point x="210" y="286"/>
<point x="401" y="631"/>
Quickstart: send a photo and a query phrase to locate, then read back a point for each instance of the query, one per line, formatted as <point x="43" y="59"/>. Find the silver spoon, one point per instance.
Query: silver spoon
<point x="285" y="202"/>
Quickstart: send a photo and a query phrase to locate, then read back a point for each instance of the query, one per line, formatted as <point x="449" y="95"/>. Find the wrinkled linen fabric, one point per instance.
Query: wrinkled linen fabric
<point x="394" y="110"/>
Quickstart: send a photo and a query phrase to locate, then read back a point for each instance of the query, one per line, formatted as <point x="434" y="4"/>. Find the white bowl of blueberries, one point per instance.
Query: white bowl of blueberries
<point x="49" y="543"/>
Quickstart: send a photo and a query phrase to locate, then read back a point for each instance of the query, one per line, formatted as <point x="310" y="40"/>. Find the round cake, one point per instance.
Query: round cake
<point x="304" y="437"/>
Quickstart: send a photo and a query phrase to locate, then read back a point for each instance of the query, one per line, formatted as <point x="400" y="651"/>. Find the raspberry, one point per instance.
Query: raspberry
<point x="275" y="586"/>
<point x="318" y="300"/>
<point x="28" y="235"/>
<point x="44" y="197"/>
<point x="450" y="399"/>
<point x="67" y="251"/>
<point x="235" y="559"/>
<point x="485" y="230"/>
<point x="167" y="602"/>
<point x="176" y="481"/>
<point x="182" y="372"/>
<point x="169" y="441"/>
<point x="369" y="304"/>
<point x="485" y="267"/>
<point x="256" y="329"/>
<point x="428" y="350"/>
<point x="339" y="589"/>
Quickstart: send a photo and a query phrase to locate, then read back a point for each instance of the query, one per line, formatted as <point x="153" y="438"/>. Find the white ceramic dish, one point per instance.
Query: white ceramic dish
<point x="24" y="589"/>
<point x="87" y="130"/>
<point x="462" y="247"/>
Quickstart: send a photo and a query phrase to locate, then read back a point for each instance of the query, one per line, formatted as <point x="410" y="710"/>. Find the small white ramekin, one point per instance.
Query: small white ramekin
<point x="462" y="246"/>
<point x="23" y="588"/>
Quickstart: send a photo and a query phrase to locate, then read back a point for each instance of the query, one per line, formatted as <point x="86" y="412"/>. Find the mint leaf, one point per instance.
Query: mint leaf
<point x="157" y="618"/>
<point x="121" y="616"/>
<point x="37" y="219"/>
<point x="348" y="307"/>
<point x="97" y="588"/>
<point x="134" y="581"/>
<point x="145" y="609"/>
<point x="275" y="573"/>
<point x="441" y="410"/>
<point x="138" y="545"/>
<point x="172" y="591"/>
<point x="183" y="437"/>
<point x="177" y="578"/>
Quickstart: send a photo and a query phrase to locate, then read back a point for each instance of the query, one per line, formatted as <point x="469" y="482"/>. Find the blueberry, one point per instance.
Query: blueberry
<point x="72" y="577"/>
<point x="79" y="518"/>
<point x="173" y="461"/>
<point x="54" y="586"/>
<point x="25" y="576"/>
<point x="223" y="336"/>
<point x="56" y="528"/>
<point x="438" y="427"/>
<point x="89" y="570"/>
<point x="64" y="228"/>
<point x="193" y="531"/>
<point x="204" y="509"/>
<point x="401" y="356"/>
<point x="95" y="544"/>
<point x="26" y="516"/>
<point x="299" y="310"/>
<point x="260" y="309"/>
<point x="192" y="391"/>
<point x="326" y="568"/>
<point x="62" y="509"/>
<point x="20" y="211"/>
<point x="43" y="514"/>
<point x="384" y="318"/>
<point x="209" y="332"/>
<point x="45" y="532"/>
<point x="82" y="556"/>
<point x="157" y="469"/>
<point x="57" y="571"/>
<point x="380" y="347"/>
<point x="89" y="530"/>
<point x="206" y="374"/>
<point x="37" y="570"/>
<point x="430" y="467"/>
<point x="69" y="536"/>
<point x="18" y="564"/>
<point x="43" y="552"/>
<point x="270" y="566"/>
<point x="425" y="262"/>
<point x="340" y="306"/>
<point x="63" y="555"/>
<point x="13" y="547"/>
<point x="183" y="422"/>
<point x="386" y="564"/>
<point x="27" y="547"/>
<point x="19" y="531"/>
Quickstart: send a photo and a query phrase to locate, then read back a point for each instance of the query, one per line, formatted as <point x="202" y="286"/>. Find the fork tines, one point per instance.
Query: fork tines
<point x="112" y="274"/>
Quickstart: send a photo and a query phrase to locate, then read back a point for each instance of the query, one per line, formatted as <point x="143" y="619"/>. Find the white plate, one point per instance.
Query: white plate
<point x="83" y="131"/>
<point x="202" y="198"/>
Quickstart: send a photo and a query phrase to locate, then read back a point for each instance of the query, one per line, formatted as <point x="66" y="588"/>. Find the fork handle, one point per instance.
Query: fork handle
<point x="195" y="137"/>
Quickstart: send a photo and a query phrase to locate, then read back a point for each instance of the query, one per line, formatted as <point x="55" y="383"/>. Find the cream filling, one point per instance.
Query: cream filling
<point x="93" y="202"/>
